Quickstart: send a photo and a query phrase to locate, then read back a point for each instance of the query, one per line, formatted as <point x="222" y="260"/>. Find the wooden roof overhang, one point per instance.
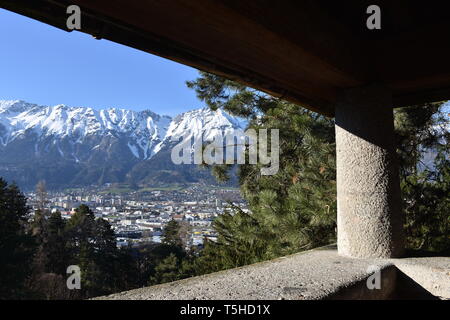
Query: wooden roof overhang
<point x="305" y="51"/>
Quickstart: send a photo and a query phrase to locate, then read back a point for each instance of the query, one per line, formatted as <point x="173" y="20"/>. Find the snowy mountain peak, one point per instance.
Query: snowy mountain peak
<point x="70" y="146"/>
<point x="14" y="106"/>
<point x="201" y="123"/>
<point x="145" y="132"/>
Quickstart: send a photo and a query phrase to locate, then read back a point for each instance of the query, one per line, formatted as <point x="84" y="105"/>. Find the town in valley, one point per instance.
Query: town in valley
<point x="139" y="217"/>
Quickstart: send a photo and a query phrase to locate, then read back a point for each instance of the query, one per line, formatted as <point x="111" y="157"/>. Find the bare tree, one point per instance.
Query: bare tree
<point x="41" y="195"/>
<point x="184" y="233"/>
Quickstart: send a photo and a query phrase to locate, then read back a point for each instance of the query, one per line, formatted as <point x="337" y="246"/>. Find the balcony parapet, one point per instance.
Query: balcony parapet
<point x="316" y="274"/>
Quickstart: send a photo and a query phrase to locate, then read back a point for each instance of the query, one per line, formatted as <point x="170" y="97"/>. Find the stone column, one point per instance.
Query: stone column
<point x="369" y="217"/>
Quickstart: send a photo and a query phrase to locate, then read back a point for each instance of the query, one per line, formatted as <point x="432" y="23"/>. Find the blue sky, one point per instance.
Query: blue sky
<point x="44" y="65"/>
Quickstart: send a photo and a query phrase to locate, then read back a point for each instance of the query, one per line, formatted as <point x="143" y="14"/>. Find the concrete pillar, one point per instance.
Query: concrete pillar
<point x="369" y="218"/>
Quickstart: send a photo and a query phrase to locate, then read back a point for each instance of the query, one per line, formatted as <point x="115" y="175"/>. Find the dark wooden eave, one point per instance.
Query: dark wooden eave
<point x="306" y="52"/>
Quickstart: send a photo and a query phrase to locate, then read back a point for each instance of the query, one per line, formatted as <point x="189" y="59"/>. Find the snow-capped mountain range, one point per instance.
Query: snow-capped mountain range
<point x="80" y="145"/>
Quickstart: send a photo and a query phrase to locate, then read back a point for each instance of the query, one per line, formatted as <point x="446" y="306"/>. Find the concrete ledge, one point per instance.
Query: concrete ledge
<point x="317" y="274"/>
<point x="431" y="274"/>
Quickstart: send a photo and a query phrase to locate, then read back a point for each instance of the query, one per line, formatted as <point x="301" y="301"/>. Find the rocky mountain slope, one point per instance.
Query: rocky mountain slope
<point x="76" y="146"/>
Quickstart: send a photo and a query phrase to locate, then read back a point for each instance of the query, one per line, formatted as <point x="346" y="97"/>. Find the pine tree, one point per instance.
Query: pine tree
<point x="171" y="235"/>
<point x="423" y="130"/>
<point x="295" y="209"/>
<point x="55" y="245"/>
<point x="92" y="246"/>
<point x="292" y="210"/>
<point x="167" y="270"/>
<point x="16" y="245"/>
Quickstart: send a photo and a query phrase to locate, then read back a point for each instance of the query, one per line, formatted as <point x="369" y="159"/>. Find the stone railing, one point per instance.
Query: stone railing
<point x="316" y="274"/>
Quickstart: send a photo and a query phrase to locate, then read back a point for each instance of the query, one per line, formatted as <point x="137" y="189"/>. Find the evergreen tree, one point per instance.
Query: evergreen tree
<point x="423" y="146"/>
<point x="37" y="225"/>
<point x="55" y="245"/>
<point x="127" y="272"/>
<point x="16" y="245"/>
<point x="292" y="210"/>
<point x="167" y="270"/>
<point x="92" y="246"/>
<point x="295" y="209"/>
<point x="51" y="259"/>
<point x="49" y="234"/>
<point x="171" y="235"/>
<point x="106" y="257"/>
